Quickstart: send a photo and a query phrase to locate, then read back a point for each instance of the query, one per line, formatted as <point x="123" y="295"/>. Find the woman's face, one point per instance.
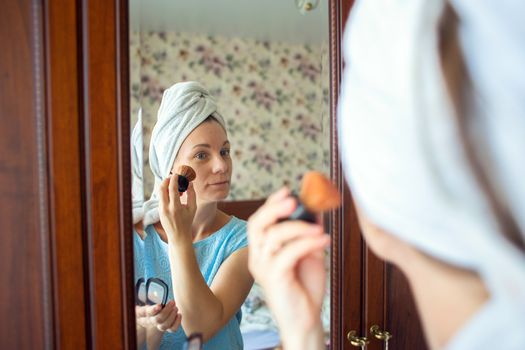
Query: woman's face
<point x="207" y="151"/>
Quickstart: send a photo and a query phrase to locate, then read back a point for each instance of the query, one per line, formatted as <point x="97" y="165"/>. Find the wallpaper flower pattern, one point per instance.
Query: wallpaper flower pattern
<point x="274" y="97"/>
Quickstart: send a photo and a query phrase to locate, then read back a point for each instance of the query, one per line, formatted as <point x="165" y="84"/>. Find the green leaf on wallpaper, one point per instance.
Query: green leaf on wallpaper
<point x="191" y="64"/>
<point x="229" y="57"/>
<point x="311" y="156"/>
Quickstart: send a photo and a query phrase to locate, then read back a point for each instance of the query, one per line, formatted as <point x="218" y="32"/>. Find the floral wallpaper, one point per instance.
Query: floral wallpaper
<point x="274" y="97"/>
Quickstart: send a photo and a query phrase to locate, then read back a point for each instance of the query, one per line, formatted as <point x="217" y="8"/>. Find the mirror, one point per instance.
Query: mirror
<point x="266" y="64"/>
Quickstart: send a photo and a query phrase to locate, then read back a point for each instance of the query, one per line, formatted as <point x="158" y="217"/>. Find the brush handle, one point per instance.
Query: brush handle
<point x="183" y="183"/>
<point x="301" y="213"/>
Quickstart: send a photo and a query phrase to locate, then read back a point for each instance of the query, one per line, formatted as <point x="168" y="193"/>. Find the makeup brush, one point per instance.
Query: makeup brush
<point x="317" y="195"/>
<point x="185" y="175"/>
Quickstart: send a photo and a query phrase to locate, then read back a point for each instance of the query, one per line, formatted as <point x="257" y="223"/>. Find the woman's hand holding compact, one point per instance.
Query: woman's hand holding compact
<point x="164" y="319"/>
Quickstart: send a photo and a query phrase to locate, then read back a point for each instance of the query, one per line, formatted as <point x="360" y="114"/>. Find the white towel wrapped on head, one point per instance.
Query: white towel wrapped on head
<point x="183" y="108"/>
<point x="402" y="155"/>
<point x="137" y="184"/>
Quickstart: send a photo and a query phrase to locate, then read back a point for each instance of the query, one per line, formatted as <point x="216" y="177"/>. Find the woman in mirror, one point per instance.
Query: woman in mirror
<point x="146" y="316"/>
<point x="432" y="140"/>
<point x="198" y="250"/>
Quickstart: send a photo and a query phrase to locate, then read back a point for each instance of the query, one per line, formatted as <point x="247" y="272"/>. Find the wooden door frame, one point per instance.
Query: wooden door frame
<point x="107" y="183"/>
<point x="348" y="250"/>
<point x="346" y="236"/>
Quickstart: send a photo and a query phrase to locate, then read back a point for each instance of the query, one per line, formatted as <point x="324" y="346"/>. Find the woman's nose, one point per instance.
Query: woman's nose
<point x="220" y="165"/>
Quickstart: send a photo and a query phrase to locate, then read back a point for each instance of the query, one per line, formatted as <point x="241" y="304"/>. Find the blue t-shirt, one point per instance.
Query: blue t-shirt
<point x="138" y="254"/>
<point x="210" y="252"/>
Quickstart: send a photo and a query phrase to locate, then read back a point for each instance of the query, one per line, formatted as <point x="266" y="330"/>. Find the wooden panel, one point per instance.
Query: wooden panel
<point x="107" y="164"/>
<point x="347" y="246"/>
<point x="402" y="319"/>
<point x="353" y="277"/>
<point x="63" y="79"/>
<point x="25" y="295"/>
<point x="376" y="306"/>
<point x="241" y="209"/>
<point x="336" y="267"/>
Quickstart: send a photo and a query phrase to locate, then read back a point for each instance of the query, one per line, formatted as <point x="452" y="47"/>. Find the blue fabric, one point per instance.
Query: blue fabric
<point x="210" y="252"/>
<point x="138" y="254"/>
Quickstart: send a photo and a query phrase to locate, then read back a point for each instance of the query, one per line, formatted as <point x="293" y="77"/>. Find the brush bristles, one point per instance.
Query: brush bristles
<point x="188" y="172"/>
<point x="318" y="194"/>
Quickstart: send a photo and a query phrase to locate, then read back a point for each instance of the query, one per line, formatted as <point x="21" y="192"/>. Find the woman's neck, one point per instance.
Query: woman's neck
<point x="208" y="219"/>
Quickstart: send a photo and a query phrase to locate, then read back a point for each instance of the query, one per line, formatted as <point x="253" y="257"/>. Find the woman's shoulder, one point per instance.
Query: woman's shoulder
<point x="237" y="237"/>
<point x="238" y="224"/>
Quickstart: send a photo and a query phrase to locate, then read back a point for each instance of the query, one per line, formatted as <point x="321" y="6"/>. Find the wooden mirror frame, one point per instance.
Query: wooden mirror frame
<point x="71" y="118"/>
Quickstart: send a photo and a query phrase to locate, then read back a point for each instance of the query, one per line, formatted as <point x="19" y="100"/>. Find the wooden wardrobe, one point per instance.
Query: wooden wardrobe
<point x="65" y="191"/>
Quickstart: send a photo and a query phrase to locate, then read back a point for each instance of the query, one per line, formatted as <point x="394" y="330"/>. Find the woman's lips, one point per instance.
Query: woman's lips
<point x="222" y="183"/>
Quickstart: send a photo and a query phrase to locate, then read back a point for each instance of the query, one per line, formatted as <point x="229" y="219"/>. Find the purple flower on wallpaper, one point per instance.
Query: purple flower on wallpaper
<point x="210" y="61"/>
<point x="309" y="71"/>
<point x="263" y="159"/>
<point x="306" y="68"/>
<point x="306" y="127"/>
<point x="310" y="130"/>
<point x="261" y="96"/>
<point x="151" y="88"/>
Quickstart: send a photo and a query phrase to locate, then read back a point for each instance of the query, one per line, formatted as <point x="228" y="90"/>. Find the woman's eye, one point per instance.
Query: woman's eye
<point x="200" y="156"/>
<point x="225" y="152"/>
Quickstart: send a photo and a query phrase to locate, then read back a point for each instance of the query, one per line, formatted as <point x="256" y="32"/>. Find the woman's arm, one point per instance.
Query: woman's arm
<point x="207" y="309"/>
<point x="287" y="260"/>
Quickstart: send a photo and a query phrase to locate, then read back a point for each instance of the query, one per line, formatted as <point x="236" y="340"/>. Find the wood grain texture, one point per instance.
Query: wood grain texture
<point x="335" y="217"/>
<point x="64" y="141"/>
<point x="241" y="209"/>
<point x="26" y="304"/>
<point x="376" y="303"/>
<point x="124" y="151"/>
<point x="402" y="319"/>
<point x="107" y="171"/>
<point x="347" y="297"/>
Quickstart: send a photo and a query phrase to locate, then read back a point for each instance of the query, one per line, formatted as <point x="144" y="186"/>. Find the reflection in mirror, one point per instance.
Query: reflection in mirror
<point x="137" y="197"/>
<point x="238" y="91"/>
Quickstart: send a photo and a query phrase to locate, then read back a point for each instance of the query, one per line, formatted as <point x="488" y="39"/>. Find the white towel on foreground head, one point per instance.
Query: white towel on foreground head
<point x="184" y="106"/>
<point x="137" y="184"/>
<point x="402" y="155"/>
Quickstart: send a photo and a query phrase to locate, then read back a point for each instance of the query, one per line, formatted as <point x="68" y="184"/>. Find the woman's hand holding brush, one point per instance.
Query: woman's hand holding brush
<point x="287" y="258"/>
<point x="176" y="218"/>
